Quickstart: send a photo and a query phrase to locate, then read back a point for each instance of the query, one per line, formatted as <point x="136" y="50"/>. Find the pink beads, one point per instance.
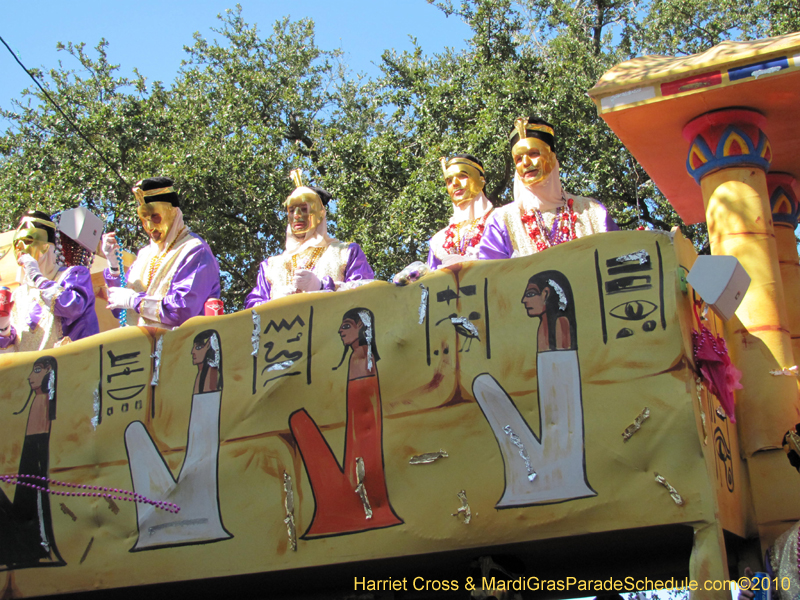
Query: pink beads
<point x="101" y="492"/>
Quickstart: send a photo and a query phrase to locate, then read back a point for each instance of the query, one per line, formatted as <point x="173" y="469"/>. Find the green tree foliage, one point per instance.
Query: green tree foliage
<point x="244" y="113"/>
<point x="239" y="116"/>
<point x="532" y="58"/>
<point x="46" y="165"/>
<point x="429" y="107"/>
<point x="246" y="109"/>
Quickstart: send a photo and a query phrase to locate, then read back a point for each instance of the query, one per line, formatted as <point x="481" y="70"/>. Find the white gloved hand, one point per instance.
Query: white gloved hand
<point x="121" y="298"/>
<point x="306" y="281"/>
<point x="30" y="265"/>
<point x="5" y="330"/>
<point x="110" y="247"/>
<point x="454" y="259"/>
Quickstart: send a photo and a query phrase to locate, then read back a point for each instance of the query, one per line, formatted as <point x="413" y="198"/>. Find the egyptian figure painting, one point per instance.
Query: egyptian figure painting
<point x="357" y="424"/>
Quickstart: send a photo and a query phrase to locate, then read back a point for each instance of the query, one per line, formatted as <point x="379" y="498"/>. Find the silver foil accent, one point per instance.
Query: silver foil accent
<point x="672" y="491"/>
<point x="214" y="341"/>
<point x="768" y="71"/>
<point x="156" y="356"/>
<point x="288" y="503"/>
<point x="42" y="533"/>
<point x="466" y="324"/>
<point x="641" y="256"/>
<point x="788" y="372"/>
<point x="364" y="315"/>
<point x="423" y="304"/>
<point x="427" y="458"/>
<point x="51" y="385"/>
<point x="184" y="523"/>
<point x="360" y="489"/>
<point x="281" y="366"/>
<point x="699" y="388"/>
<point x="464" y="508"/>
<point x="95" y="420"/>
<point x="518" y="443"/>
<point x="562" y="297"/>
<point x="636" y="425"/>
<point x="255" y="338"/>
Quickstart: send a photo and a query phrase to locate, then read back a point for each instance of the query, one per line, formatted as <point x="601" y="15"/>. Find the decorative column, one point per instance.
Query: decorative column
<point x="785" y="212"/>
<point x="729" y="156"/>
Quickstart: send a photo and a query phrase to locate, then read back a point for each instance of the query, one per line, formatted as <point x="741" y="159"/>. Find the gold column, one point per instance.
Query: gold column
<point x="785" y="209"/>
<point x="729" y="156"/>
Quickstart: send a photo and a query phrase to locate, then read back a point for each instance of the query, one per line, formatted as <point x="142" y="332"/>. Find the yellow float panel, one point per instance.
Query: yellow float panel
<point x="286" y="435"/>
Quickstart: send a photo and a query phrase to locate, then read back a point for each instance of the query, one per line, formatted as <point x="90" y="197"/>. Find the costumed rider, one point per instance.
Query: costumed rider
<point x="54" y="303"/>
<point x="542" y="214"/>
<point x="313" y="260"/>
<point x="464" y="178"/>
<point x="174" y="275"/>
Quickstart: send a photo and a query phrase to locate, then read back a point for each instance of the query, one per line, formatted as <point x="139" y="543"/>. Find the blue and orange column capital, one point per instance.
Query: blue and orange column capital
<point x="732" y="137"/>
<point x="783" y="199"/>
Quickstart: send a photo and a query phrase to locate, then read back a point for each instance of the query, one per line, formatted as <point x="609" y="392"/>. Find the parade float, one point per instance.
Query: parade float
<point x="545" y="419"/>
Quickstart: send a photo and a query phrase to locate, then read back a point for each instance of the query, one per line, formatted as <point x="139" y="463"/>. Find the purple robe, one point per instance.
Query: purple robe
<point x="74" y="305"/>
<point x="357" y="268"/>
<point x="496" y="241"/>
<point x="196" y="280"/>
<point x="433" y="261"/>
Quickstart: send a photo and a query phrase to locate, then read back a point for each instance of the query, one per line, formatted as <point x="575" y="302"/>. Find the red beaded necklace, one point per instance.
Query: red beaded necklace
<point x="563" y="229"/>
<point x="455" y="244"/>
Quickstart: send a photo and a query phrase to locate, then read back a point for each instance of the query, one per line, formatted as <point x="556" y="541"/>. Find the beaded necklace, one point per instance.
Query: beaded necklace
<point x="155" y="262"/>
<point x="455" y="244"/>
<point x="771" y="555"/>
<point x="102" y="492"/>
<point x="308" y="263"/>
<point x="123" y="282"/>
<point x="563" y="229"/>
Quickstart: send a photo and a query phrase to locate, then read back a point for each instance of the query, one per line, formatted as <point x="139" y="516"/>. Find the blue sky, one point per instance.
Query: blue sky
<point x="150" y="34"/>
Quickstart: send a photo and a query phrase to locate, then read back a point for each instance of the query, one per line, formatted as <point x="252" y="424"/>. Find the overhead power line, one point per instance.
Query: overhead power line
<point x="63" y="114"/>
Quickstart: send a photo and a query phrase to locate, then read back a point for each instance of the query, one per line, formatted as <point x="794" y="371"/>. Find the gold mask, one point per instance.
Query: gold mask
<point x="157" y="219"/>
<point x="305" y="211"/>
<point x="463" y="183"/>
<point x="534" y="160"/>
<point x="30" y="240"/>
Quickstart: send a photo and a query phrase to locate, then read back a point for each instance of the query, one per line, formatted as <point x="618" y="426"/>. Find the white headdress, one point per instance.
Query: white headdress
<point x="214" y="341"/>
<point x="562" y="297"/>
<point x="367" y="322"/>
<point x="51" y="385"/>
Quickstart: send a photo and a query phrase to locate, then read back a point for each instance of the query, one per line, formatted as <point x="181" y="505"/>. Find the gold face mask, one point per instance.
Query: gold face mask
<point x="30" y="240"/>
<point x="305" y="211"/>
<point x="463" y="183"/>
<point x="157" y="219"/>
<point x="534" y="160"/>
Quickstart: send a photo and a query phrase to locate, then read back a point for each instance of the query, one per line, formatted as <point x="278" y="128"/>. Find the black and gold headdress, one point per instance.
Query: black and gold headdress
<point x="464" y="160"/>
<point x="156" y="189"/>
<point x="533" y="127"/>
